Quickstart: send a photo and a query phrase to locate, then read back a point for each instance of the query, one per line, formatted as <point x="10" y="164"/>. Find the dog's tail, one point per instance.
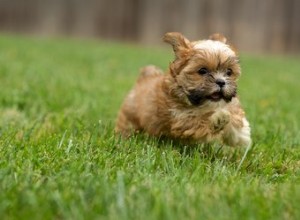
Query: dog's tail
<point x="149" y="71"/>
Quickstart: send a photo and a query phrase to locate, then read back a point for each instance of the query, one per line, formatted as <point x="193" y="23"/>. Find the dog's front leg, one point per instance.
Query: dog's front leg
<point x="237" y="132"/>
<point x="233" y="128"/>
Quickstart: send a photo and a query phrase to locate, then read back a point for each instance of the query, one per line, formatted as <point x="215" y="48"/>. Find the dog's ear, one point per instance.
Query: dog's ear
<point x="221" y="38"/>
<point x="218" y="37"/>
<point x="180" y="44"/>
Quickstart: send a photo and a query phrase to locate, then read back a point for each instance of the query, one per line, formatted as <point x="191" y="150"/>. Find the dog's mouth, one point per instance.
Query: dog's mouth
<point x="196" y="98"/>
<point x="216" y="96"/>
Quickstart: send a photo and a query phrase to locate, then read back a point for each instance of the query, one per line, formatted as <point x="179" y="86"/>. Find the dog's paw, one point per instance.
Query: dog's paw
<point x="238" y="136"/>
<point x="219" y="120"/>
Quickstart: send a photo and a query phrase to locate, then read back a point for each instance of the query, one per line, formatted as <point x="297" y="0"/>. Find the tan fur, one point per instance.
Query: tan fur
<point x="167" y="104"/>
<point x="218" y="37"/>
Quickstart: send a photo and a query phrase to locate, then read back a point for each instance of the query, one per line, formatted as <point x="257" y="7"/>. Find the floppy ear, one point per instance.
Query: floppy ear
<point x="218" y="37"/>
<point x="180" y="44"/>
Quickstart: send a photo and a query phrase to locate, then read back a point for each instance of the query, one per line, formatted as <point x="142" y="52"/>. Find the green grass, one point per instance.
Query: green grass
<point x="59" y="158"/>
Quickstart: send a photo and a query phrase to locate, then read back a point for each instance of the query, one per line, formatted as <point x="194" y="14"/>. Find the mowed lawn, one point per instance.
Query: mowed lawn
<point x="59" y="157"/>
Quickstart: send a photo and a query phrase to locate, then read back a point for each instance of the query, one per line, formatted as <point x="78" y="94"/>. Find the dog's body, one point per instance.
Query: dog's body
<point x="195" y="101"/>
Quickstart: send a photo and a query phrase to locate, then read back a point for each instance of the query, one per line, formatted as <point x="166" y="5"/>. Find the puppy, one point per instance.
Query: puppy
<point x="196" y="100"/>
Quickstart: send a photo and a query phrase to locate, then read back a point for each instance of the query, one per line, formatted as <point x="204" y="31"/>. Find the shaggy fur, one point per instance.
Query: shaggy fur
<point x="194" y="101"/>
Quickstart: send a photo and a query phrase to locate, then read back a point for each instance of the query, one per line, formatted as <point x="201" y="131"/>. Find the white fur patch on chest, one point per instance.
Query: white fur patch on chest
<point x="214" y="47"/>
<point x="198" y="112"/>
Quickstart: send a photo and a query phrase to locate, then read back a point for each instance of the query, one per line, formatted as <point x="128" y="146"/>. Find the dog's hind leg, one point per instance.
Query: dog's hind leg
<point x="127" y="121"/>
<point x="125" y="124"/>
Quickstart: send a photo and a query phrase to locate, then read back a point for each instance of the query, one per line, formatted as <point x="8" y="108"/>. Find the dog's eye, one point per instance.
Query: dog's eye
<point x="203" y="71"/>
<point x="229" y="72"/>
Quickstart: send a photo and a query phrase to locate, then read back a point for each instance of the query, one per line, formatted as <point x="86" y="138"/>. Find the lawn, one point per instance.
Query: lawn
<point x="59" y="157"/>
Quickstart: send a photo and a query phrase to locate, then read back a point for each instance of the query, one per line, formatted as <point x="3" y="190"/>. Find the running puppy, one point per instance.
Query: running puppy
<point x="196" y="100"/>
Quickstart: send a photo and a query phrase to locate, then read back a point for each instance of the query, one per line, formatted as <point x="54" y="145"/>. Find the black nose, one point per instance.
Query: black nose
<point x="220" y="82"/>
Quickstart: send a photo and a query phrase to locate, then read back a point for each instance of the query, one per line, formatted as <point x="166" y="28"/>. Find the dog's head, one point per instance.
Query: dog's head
<point x="205" y="70"/>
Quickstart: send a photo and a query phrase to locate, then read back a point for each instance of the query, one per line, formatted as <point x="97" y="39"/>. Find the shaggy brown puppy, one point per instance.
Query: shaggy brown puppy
<point x="196" y="100"/>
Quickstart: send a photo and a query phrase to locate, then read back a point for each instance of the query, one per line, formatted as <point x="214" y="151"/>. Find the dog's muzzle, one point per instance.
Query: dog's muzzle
<point x="197" y="98"/>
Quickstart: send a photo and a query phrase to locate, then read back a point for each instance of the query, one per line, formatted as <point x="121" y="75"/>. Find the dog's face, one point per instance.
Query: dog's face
<point x="204" y="70"/>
